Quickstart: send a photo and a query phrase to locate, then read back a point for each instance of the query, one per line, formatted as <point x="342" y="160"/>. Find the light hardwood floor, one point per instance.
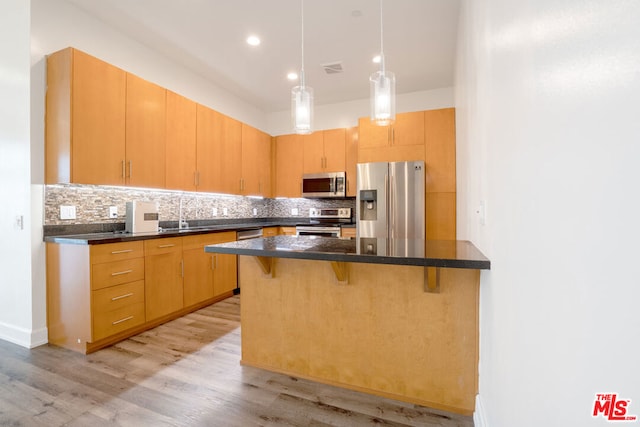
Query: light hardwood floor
<point x="183" y="373"/>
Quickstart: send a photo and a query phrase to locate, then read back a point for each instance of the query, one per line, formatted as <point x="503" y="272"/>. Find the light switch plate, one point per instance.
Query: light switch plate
<point x="225" y="211"/>
<point x="294" y="211"/>
<point x="67" y="212"/>
<point x="255" y="211"/>
<point x="214" y="211"/>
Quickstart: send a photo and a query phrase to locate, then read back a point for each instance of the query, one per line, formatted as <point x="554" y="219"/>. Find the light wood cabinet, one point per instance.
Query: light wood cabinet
<point x="256" y="162"/>
<point x="93" y="292"/>
<point x="324" y="151"/>
<point x="180" y="158"/>
<point x="440" y="150"/>
<point x="270" y="231"/>
<point x="103" y="126"/>
<point x="351" y="157"/>
<point x="100" y="294"/>
<point x="440" y="155"/>
<point x="207" y="275"/>
<point x="289" y="166"/>
<point x="288" y="231"/>
<point x="402" y="141"/>
<point x="145" y="133"/>
<point x="348" y="232"/>
<point x="218" y="151"/>
<point x="164" y="270"/>
<point x="85" y="120"/>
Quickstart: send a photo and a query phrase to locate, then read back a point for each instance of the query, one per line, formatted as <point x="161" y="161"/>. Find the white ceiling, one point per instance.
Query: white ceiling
<point x="208" y="37"/>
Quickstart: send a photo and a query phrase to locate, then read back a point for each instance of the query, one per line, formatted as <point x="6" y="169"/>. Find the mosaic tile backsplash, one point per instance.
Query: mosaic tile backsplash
<point x="92" y="204"/>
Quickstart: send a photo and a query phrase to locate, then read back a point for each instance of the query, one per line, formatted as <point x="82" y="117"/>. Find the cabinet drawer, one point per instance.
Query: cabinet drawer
<point x="114" y="273"/>
<point x="116" y="251"/>
<point x="162" y="246"/>
<point x="116" y="297"/>
<point x="201" y="240"/>
<point x="112" y="322"/>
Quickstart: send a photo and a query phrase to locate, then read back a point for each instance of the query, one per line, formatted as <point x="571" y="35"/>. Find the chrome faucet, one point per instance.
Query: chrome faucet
<point x="182" y="223"/>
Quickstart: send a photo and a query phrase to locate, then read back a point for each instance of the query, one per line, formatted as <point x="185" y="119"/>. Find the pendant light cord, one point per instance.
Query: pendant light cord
<point x="381" y="41"/>
<point x="302" y="43"/>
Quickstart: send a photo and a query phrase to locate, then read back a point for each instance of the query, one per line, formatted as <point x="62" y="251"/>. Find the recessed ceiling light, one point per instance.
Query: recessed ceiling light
<point x="253" y="40"/>
<point x="292" y="76"/>
<point x="376" y="59"/>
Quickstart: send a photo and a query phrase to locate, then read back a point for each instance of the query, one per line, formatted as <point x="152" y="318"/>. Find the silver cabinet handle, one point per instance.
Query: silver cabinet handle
<point x="122" y="296"/>
<point x="124" y="251"/>
<point x="182" y="268"/>
<point x="130" y="168"/>
<point x="166" y="246"/>
<point x="122" y="320"/>
<point x="123" y="170"/>
<point x="118" y="273"/>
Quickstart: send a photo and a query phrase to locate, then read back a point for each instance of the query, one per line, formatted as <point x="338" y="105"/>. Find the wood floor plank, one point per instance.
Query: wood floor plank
<point x="184" y="373"/>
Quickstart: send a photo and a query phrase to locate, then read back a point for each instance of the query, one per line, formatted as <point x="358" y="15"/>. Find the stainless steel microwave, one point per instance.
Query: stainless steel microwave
<point x="325" y="185"/>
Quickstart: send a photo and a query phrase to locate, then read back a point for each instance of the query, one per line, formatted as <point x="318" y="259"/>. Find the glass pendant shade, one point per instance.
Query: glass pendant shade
<point x="302" y="109"/>
<point x="383" y="98"/>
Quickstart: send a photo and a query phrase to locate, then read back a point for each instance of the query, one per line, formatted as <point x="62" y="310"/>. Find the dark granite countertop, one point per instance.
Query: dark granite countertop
<point x="88" y="236"/>
<point x="435" y="253"/>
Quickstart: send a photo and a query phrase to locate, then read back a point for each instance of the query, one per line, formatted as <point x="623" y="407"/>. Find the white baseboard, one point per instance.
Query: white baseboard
<point x="479" y="419"/>
<point x="23" y="337"/>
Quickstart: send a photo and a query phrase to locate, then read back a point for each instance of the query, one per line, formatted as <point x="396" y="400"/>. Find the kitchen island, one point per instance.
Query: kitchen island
<point x="346" y="312"/>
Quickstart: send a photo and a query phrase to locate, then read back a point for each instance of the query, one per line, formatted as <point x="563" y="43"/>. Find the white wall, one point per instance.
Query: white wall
<point x="57" y="24"/>
<point x="17" y="321"/>
<point x="346" y="114"/>
<point x="547" y="96"/>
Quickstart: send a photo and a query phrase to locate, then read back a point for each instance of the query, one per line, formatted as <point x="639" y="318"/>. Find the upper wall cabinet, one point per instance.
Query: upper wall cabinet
<point x="256" y="162"/>
<point x="289" y="166"/>
<point x="145" y="133"/>
<point x="218" y="152"/>
<point x="351" y="157"/>
<point x="325" y="151"/>
<point x="404" y="140"/>
<point x="85" y="120"/>
<point x="103" y="125"/>
<point x="180" y="159"/>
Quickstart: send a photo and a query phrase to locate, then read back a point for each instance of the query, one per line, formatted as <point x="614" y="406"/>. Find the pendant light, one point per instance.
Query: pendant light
<point x="383" y="90"/>
<point x="302" y="95"/>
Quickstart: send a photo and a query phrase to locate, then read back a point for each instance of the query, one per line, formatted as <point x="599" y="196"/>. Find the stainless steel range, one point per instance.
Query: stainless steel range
<point x="325" y="222"/>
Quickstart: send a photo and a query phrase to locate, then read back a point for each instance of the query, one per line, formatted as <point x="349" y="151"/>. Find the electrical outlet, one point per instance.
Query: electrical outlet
<point x="294" y="211"/>
<point x="214" y="212"/>
<point x="224" y="211"/>
<point x="113" y="212"/>
<point x="255" y="211"/>
<point x="67" y="212"/>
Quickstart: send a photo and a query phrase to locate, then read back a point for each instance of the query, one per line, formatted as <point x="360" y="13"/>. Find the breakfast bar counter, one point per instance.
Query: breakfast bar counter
<point x="396" y="319"/>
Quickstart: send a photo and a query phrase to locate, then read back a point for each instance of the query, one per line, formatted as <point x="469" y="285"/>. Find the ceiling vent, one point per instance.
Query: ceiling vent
<point x="332" y="68"/>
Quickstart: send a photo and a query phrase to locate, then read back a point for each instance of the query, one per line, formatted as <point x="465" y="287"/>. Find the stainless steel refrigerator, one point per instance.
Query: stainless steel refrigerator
<point x="390" y="210"/>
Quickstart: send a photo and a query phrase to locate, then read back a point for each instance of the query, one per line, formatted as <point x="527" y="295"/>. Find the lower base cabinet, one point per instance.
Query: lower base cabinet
<point x="98" y="295"/>
<point x="207" y="275"/>
<point x="164" y="271"/>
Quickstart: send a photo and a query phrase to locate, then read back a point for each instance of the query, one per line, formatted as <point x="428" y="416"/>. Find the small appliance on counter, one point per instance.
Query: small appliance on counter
<point x="142" y="217"/>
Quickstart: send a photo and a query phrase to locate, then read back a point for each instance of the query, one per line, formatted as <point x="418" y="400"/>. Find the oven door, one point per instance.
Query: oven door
<point x="318" y="231"/>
